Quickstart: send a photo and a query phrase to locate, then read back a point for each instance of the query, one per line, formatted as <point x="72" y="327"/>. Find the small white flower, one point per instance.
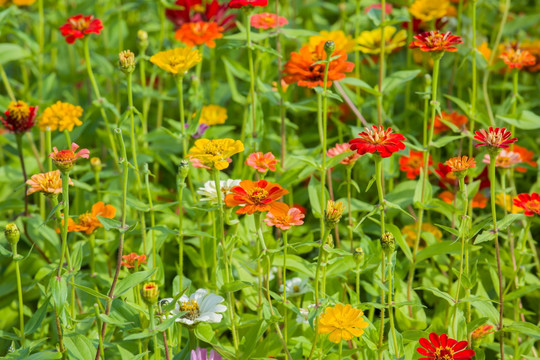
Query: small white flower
<point x="295" y="286"/>
<point x="302" y="318"/>
<point x="208" y="191"/>
<point x="201" y="306"/>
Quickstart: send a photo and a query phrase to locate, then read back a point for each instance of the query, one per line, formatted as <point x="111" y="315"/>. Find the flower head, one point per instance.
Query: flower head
<point x="526" y="157"/>
<point x="126" y="60"/>
<point x="482" y="331"/>
<point x="61" y="116"/>
<point x="295" y="287"/>
<point x="533" y="47"/>
<point x="213" y="115"/>
<point x="267" y="21"/>
<point x="201" y="306"/>
<point x="494" y="138"/>
<point x="150" y="293"/>
<point x="262" y="162"/>
<point x="209" y="192"/>
<point x="214" y="153"/>
<point x="195" y="11"/>
<point x="342" y="41"/>
<point x="284" y="219"/>
<point x="66" y="159"/>
<point x="132" y="260"/>
<point x="444" y="348"/>
<point x="198" y="33"/>
<point x="517" y="58"/>
<point x="89" y="222"/>
<point x="78" y="26"/>
<point x="343" y="148"/>
<point x="203" y="354"/>
<point x="528" y="202"/>
<point x="435" y="41"/>
<point x="446" y="176"/>
<point x="19" y="117"/>
<point x="49" y="183"/>
<point x="505" y="159"/>
<point x="369" y="42"/>
<point x="413" y="163"/>
<point x="177" y="61"/>
<point x="410" y="231"/>
<point x="333" y="212"/>
<point x="460" y="164"/>
<point x="256" y="196"/>
<point x="378" y="140"/>
<point x="304" y="67"/>
<point x="342" y="323"/>
<point x="429" y="10"/>
<point x="237" y="4"/>
<point x="454" y="118"/>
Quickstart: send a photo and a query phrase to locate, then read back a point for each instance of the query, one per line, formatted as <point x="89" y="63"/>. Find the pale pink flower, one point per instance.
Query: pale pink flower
<point x="262" y="162"/>
<point x="284" y="220"/>
<point x="505" y="159"/>
<point x="340" y="149"/>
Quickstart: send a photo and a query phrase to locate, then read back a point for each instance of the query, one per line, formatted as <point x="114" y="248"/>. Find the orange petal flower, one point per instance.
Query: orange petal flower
<point x="413" y="163"/>
<point x="198" y="33"/>
<point x="88" y="222"/>
<point x="132" y="260"/>
<point x="65" y="159"/>
<point x="517" y="58"/>
<point x="284" y="219"/>
<point x="256" y="196"/>
<point x="262" y="162"/>
<point x="460" y="163"/>
<point x="479" y="200"/>
<point x="455" y="118"/>
<point x="526" y="157"/>
<point x="49" y="183"/>
<point x="435" y="41"/>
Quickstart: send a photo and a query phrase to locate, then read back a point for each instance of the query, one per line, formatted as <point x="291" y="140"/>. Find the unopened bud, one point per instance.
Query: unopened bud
<point x="183" y="170"/>
<point x="127" y="61"/>
<point x="95" y="164"/>
<point x="388" y="243"/>
<point x="329" y="48"/>
<point x="12" y="234"/>
<point x="142" y="39"/>
<point x="333" y="212"/>
<point x="358" y="255"/>
<point x="150" y="293"/>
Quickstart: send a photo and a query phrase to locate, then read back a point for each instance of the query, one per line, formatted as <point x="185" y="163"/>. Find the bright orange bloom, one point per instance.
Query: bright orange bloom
<point x="482" y="331"/>
<point x="413" y="163"/>
<point x="517" y="58"/>
<point x="132" y="260"/>
<point x="88" y="222"/>
<point x="479" y="200"/>
<point x="198" y="33"/>
<point x="435" y="41"/>
<point x="460" y="163"/>
<point x="284" y="219"/>
<point x="526" y="157"/>
<point x="256" y="196"/>
<point x="267" y="21"/>
<point x="262" y="162"/>
<point x="533" y="47"/>
<point x="49" y="183"/>
<point x="302" y="70"/>
<point x="455" y="118"/>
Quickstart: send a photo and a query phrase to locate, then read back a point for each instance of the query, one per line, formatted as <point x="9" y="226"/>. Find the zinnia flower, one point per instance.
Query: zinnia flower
<point x="198" y="33"/>
<point x="340" y="149"/>
<point x="378" y="140"/>
<point x="177" y="61"/>
<point x="517" y="58"/>
<point x="49" y="183"/>
<point x="479" y="200"/>
<point x="342" y="41"/>
<point x="526" y="157"/>
<point x="505" y="159"/>
<point x="78" y="26"/>
<point x="19" y="117"/>
<point x="342" y="323"/>
<point x="195" y="11"/>
<point x="388" y="8"/>
<point x="132" y="260"/>
<point x="435" y="41"/>
<point x="409" y="232"/>
<point x="429" y="10"/>
<point x="455" y="118"/>
<point x="369" y="42"/>
<point x="482" y="331"/>
<point x="284" y="219"/>
<point x="89" y="222"/>
<point x="262" y="162"/>
<point x="237" y="4"/>
<point x="61" y="116"/>
<point x="444" y="348"/>
<point x="494" y="138"/>
<point x="256" y="196"/>
<point x="267" y="21"/>
<point x="66" y="159"/>
<point x="413" y="163"/>
<point x="304" y="70"/>
<point x="533" y="47"/>
<point x="209" y="193"/>
<point x="201" y="306"/>
<point x="528" y="202"/>
<point x="202" y="354"/>
<point x="460" y="164"/>
<point x="213" y="115"/>
<point x="214" y="153"/>
<point x="446" y="176"/>
<point x="508" y="201"/>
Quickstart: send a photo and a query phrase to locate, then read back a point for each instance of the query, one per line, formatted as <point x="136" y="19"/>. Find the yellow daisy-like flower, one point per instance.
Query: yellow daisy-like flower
<point x="214" y="153"/>
<point x="341" y="40"/>
<point x="177" y="61"/>
<point x="428" y="10"/>
<point x="213" y="114"/>
<point x="499" y="200"/>
<point x="61" y="116"/>
<point x="23" y="2"/>
<point x="49" y="183"/>
<point x="409" y="231"/>
<point x="342" y="323"/>
<point x="369" y="42"/>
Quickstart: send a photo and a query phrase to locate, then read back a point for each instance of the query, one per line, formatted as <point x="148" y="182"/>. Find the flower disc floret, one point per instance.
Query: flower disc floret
<point x="377" y="140"/>
<point x="177" y="61"/>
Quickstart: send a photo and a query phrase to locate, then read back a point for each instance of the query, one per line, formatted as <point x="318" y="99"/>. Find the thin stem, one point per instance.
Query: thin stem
<point x="381" y="65"/>
<point x="340" y="350"/>
<point x="324" y="126"/>
<point x="381" y="325"/>
<point x="391" y="307"/>
<point x="349" y="205"/>
<point x="464" y="226"/>
<point x="98" y="323"/>
<point x="18" y="138"/>
<point x="64" y="228"/>
<point x="180" y="87"/>
<point x="19" y="293"/>
<point x="152" y="213"/>
<point x="252" y="94"/>
<point x="358" y="284"/>
<point x="181" y="185"/>
<point x="5" y="80"/>
<point x="284" y="279"/>
<point x="157" y="352"/>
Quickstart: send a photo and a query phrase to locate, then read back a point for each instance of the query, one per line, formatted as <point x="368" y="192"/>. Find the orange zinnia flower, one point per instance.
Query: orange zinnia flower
<point x="49" y="183"/>
<point x="88" y="222"/>
<point x="454" y="118"/>
<point x="198" y="33"/>
<point x="460" y="163"/>
<point x="262" y="162"/>
<point x="132" y="260"/>
<point x="413" y="163"/>
<point x="303" y="70"/>
<point x="267" y="21"/>
<point x="479" y="200"/>
<point x="285" y="219"/>
<point x="256" y="196"/>
<point x="517" y="58"/>
<point x="526" y="157"/>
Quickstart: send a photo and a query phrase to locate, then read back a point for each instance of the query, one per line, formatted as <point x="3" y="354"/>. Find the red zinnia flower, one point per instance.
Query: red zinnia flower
<point x="378" y="140"/>
<point x="195" y="11"/>
<point x="256" y="196"/>
<point x="494" y="138"/>
<point x="267" y="21"/>
<point x="436" y="41"/>
<point x="447" y="176"/>
<point x="19" y="117"/>
<point x="517" y="58"/>
<point x="444" y="348"/>
<point x="78" y="26"/>
<point x="528" y="202"/>
<point x="198" y="33"/>
<point x="237" y="4"/>
<point x="413" y="163"/>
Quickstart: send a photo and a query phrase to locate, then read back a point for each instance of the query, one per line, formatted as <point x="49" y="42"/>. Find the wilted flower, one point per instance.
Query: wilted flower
<point x="132" y="260"/>
<point x="369" y="42"/>
<point x="267" y="21"/>
<point x="378" y="140"/>
<point x="214" y="153"/>
<point x="494" y="138"/>
<point x="429" y="10"/>
<point x="201" y="306"/>
<point x="78" y="26"/>
<point x="505" y="159"/>
<point x="177" y="61"/>
<point x="517" y="58"/>
<point x="66" y="159"/>
<point x="209" y="193"/>
<point x="262" y="162"/>
<point x="284" y="219"/>
<point x="528" y="202"/>
<point x="413" y="163"/>
<point x="19" y="117"/>
<point x="260" y="196"/>
<point x="342" y="323"/>
<point x="199" y="33"/>
<point x="435" y="41"/>
<point x="444" y="348"/>
<point x="213" y="115"/>
<point x="61" y="116"/>
<point x="49" y="183"/>
<point x="342" y="41"/>
<point x="340" y="149"/>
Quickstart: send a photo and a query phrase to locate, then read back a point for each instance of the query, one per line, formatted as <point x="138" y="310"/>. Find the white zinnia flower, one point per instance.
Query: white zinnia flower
<point x="303" y="317"/>
<point x="201" y="306"/>
<point x="208" y="191"/>
<point x="295" y="286"/>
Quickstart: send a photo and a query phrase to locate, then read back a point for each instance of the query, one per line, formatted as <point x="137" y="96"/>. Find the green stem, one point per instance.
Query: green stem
<point x="324" y="127"/>
<point x="284" y="279"/>
<point x="152" y="213"/>
<point x="349" y="205"/>
<point x="381" y="64"/>
<point x="5" y="80"/>
<point x="252" y="94"/>
<point x="41" y="42"/>
<point x="157" y="352"/>
<point x="92" y="243"/>
<point x="381" y="325"/>
<point x="391" y="307"/>
<point x="180" y="87"/>
<point x="19" y="293"/>
<point x="64" y="228"/>
<point x="99" y="323"/>
<point x="358" y="284"/>
<point x="464" y="227"/>
<point x="180" y="188"/>
<point x="18" y="139"/>
<point x="340" y="350"/>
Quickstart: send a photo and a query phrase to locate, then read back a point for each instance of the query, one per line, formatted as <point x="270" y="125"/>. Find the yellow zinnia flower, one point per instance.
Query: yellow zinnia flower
<point x="509" y="203"/>
<point x="428" y="10"/>
<point x="177" y="61"/>
<point x="341" y="40"/>
<point x="61" y="116"/>
<point x="213" y="114"/>
<point x="214" y="153"/>
<point x="369" y="42"/>
<point x="342" y="323"/>
<point x="23" y="2"/>
<point x="409" y="231"/>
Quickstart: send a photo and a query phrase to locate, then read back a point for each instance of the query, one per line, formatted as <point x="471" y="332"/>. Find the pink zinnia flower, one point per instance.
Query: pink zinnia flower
<point x="284" y="219"/>
<point x="267" y="21"/>
<point x="262" y="162"/>
<point x="340" y="149"/>
<point x="505" y="159"/>
<point x="66" y="159"/>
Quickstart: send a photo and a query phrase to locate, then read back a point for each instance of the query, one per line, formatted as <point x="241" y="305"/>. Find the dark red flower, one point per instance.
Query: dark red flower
<point x="444" y="348"/>
<point x="528" y="202"/>
<point x="435" y="41"/>
<point x="494" y="138"/>
<point x="19" y="117"/>
<point x="447" y="177"/>
<point x="378" y="140"/>
<point x="237" y="4"/>
<point x="78" y="26"/>
<point x="195" y="11"/>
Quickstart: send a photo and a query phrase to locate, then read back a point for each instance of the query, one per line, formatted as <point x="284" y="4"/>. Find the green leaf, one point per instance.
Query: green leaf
<point x="360" y="84"/>
<point x="336" y="159"/>
<point x="397" y="79"/>
<point x="35" y="321"/>
<point x="131" y="280"/>
<point x="445" y="247"/>
<point x="112" y="224"/>
<point x="116" y="322"/>
<point x="10" y="52"/>
<point x="524" y="328"/>
<point x="90" y="291"/>
<point x="5" y="252"/>
<point x="235" y="286"/>
<point x="79" y="347"/>
<point x="527" y="121"/>
<point x="439" y="293"/>
<point x="445" y="140"/>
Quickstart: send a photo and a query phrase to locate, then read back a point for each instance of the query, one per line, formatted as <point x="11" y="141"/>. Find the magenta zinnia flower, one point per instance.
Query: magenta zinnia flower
<point x="444" y="348"/>
<point x="202" y="354"/>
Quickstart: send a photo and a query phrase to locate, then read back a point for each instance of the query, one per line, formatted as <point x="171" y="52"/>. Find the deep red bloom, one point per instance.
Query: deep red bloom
<point x="195" y="11"/>
<point x="436" y="41"/>
<point x="528" y="202"/>
<point x="19" y="117"/>
<point x="237" y="4"/>
<point x="447" y="177"/>
<point x="494" y="138"/>
<point x="413" y="163"/>
<point x="378" y="140"/>
<point x="444" y="348"/>
<point x="78" y="26"/>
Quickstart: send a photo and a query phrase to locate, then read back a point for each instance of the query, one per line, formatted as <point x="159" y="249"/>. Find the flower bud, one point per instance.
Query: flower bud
<point x="127" y="61"/>
<point x="333" y="212"/>
<point x="150" y="293"/>
<point x="183" y="170"/>
<point x="95" y="164"/>
<point x="388" y="243"/>
<point x="142" y="39"/>
<point x="329" y="48"/>
<point x="12" y="234"/>
<point x="358" y="256"/>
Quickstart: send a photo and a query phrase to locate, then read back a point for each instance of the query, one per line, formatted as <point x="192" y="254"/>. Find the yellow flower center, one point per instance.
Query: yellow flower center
<point x="444" y="354"/>
<point x="296" y="288"/>
<point x="213" y="148"/>
<point x="198" y="8"/>
<point x="259" y="194"/>
<point x="80" y="24"/>
<point x="19" y="110"/>
<point x="533" y="205"/>
<point x="192" y="308"/>
<point x="86" y="219"/>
